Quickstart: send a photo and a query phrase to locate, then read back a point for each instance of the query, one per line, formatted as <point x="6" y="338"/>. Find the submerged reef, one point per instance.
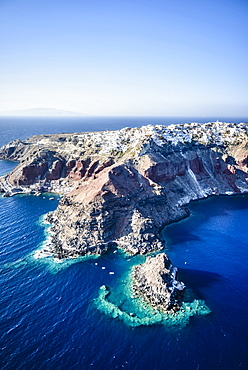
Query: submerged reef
<point x="142" y="314"/>
<point x="121" y="188"/>
<point x="150" y="294"/>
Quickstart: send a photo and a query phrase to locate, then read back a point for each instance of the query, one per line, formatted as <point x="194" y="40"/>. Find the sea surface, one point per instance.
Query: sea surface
<point x="49" y="319"/>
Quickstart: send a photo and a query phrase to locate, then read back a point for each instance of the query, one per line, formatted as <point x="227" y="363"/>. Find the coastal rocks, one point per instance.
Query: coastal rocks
<point x="118" y="207"/>
<point x="29" y="174"/>
<point x="140" y="235"/>
<point x="143" y="315"/>
<point x="123" y="187"/>
<point x="155" y="281"/>
<point x="55" y="170"/>
<point x="14" y="150"/>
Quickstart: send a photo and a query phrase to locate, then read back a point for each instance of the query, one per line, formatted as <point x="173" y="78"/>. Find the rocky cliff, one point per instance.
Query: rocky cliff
<point x="155" y="281"/>
<point x="122" y="187"/>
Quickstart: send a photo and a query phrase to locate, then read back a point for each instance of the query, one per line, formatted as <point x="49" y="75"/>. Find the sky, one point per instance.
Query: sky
<point x="125" y="58"/>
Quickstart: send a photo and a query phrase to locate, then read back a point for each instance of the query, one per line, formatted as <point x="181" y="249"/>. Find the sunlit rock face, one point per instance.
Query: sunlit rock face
<point x="122" y="187"/>
<point x="155" y="281"/>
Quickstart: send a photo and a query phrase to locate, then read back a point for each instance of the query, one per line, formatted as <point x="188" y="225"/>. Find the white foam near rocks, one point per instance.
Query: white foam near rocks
<point x="145" y="315"/>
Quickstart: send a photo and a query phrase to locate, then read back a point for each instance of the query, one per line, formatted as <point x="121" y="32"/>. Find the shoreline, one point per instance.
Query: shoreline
<point x="181" y="318"/>
<point x="124" y="187"/>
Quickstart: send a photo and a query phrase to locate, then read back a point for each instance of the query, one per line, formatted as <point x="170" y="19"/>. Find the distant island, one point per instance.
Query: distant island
<point x="42" y="112"/>
<point x="121" y="188"/>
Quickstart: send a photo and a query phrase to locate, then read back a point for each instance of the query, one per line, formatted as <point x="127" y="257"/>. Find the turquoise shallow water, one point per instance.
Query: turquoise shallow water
<point x="49" y="319"/>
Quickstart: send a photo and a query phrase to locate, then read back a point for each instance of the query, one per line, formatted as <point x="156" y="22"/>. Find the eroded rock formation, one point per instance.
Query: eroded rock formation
<point x="122" y="187"/>
<point x="155" y="281"/>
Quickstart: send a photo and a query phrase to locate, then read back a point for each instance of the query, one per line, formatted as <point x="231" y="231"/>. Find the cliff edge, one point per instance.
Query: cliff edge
<point x="122" y="187"/>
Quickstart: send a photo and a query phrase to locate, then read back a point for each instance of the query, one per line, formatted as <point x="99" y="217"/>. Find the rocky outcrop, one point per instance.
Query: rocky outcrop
<point x="122" y="187"/>
<point x="55" y="171"/>
<point x="155" y="281"/>
<point x="76" y="170"/>
<point x="166" y="170"/>
<point x="29" y="174"/>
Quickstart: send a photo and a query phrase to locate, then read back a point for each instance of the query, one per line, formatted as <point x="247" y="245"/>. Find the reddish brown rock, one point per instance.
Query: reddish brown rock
<point x="79" y="169"/>
<point x="69" y="166"/>
<point x="196" y="165"/>
<point x="231" y="181"/>
<point x="108" y="163"/>
<point x="91" y="169"/>
<point x="130" y="201"/>
<point x="166" y="171"/>
<point x="30" y="174"/>
<point x="55" y="171"/>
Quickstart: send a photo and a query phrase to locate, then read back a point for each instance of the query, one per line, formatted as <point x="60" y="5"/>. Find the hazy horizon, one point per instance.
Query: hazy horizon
<point x="40" y="113"/>
<point x="125" y="58"/>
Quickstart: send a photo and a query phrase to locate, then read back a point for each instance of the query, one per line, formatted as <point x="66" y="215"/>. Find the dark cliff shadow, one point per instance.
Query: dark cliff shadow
<point x="172" y="238"/>
<point x="197" y="279"/>
<point x="221" y="204"/>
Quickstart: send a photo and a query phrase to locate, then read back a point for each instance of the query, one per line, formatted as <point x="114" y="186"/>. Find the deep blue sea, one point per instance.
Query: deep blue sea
<point x="47" y="311"/>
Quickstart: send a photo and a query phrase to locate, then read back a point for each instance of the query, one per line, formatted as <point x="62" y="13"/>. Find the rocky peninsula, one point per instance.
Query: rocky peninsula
<point x="121" y="188"/>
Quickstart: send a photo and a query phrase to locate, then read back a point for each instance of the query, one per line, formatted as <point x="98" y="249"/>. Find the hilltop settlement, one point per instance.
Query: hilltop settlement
<point x="121" y="188"/>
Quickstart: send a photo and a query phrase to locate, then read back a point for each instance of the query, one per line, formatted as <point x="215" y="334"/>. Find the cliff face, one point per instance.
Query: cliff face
<point x="122" y="187"/>
<point x="155" y="281"/>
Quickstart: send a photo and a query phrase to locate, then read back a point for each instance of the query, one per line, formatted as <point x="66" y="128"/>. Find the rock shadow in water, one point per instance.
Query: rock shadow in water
<point x="197" y="279"/>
